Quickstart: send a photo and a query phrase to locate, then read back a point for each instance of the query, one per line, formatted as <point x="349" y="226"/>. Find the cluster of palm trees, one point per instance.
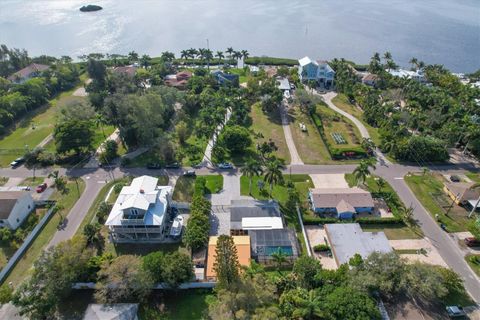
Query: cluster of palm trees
<point x="272" y="168"/>
<point x="376" y="64"/>
<point x="208" y="55"/>
<point x="416" y="64"/>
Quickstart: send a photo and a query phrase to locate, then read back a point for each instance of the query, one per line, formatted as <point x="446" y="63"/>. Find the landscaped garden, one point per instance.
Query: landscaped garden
<point x="473" y="261"/>
<point x="428" y="190"/>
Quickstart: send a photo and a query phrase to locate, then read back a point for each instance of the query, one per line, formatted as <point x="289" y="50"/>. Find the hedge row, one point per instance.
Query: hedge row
<point x="271" y="61"/>
<point x="309" y="220"/>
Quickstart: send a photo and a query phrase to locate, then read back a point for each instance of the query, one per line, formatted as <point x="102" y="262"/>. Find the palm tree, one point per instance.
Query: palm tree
<point x="208" y="56"/>
<point x="184" y="54"/>
<point x="168" y="56"/>
<point x="414" y="62"/>
<point x="407" y="215"/>
<point x="99" y="121"/>
<point x="230" y="52"/>
<point x="220" y="56"/>
<point x="58" y="180"/>
<point x="245" y="54"/>
<point x="279" y="257"/>
<point x="237" y="55"/>
<point x="251" y="169"/>
<point x="308" y="307"/>
<point x="381" y="183"/>
<point x="387" y="56"/>
<point x="145" y="60"/>
<point x="273" y="173"/>
<point x="132" y="56"/>
<point x="192" y="52"/>
<point x="363" y="171"/>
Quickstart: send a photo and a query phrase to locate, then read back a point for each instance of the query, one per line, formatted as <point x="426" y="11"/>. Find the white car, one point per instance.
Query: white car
<point x="225" y="165"/>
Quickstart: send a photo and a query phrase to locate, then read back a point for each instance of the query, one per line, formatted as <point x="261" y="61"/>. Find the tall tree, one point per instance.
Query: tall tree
<point x="362" y="171"/>
<point x="273" y="173"/>
<point x="226" y="264"/>
<point x="251" y="169"/>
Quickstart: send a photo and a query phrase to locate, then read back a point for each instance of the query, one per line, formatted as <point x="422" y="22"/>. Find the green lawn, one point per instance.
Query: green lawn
<point x="100" y="135"/>
<point x="269" y="125"/>
<point x="32" y="129"/>
<point x="475" y="177"/>
<point x="214" y="183"/>
<point x="428" y="190"/>
<point x="309" y="144"/>
<point x="473" y="263"/>
<point x="335" y="123"/>
<point x="394" y="232"/>
<point x="184" y="188"/>
<point x="32" y="182"/>
<point x="22" y="269"/>
<point x="341" y="101"/>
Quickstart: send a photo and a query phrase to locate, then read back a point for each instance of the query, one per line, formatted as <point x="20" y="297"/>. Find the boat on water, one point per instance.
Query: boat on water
<point x="90" y="8"/>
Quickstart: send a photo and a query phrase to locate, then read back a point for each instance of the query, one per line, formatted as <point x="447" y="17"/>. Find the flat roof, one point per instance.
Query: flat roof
<point x="242" y="244"/>
<point x="347" y="239"/>
<point x="332" y="197"/>
<point x="262" y="223"/>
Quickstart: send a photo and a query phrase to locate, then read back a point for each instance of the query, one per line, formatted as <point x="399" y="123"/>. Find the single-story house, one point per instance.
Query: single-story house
<point x="319" y="71"/>
<point x="344" y="202"/>
<point x="348" y="239"/>
<point x="254" y="214"/>
<point x="242" y="244"/>
<point x="370" y="79"/>
<point x="114" y="311"/>
<point x="461" y="192"/>
<point x="179" y="80"/>
<point x="266" y="242"/>
<point x="139" y="214"/>
<point x="15" y="207"/>
<point x="31" y="71"/>
<point x="127" y="70"/>
<point x="226" y="78"/>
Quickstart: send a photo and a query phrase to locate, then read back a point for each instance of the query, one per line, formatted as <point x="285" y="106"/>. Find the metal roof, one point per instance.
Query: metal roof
<point x="262" y="223"/>
<point x="331" y="198"/>
<point x="347" y="239"/>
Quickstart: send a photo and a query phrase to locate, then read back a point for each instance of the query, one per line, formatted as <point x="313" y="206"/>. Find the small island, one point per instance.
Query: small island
<point x="90" y="7"/>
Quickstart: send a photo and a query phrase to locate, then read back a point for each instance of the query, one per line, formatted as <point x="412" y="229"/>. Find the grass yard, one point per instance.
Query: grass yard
<point x="473" y="261"/>
<point x="32" y="182"/>
<point x="270" y="127"/>
<point x="67" y="201"/>
<point x="214" y="183"/>
<point x="394" y="232"/>
<point x="100" y="136"/>
<point x="3" y="180"/>
<point x="32" y="129"/>
<point x="475" y="177"/>
<point x="242" y="74"/>
<point x="184" y="188"/>
<point x="428" y="190"/>
<point x="310" y="145"/>
<point x="341" y="101"/>
<point x="335" y="124"/>
<point x="280" y="193"/>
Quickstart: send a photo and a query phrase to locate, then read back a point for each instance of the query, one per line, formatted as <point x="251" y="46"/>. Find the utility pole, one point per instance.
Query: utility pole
<point x="474" y="207"/>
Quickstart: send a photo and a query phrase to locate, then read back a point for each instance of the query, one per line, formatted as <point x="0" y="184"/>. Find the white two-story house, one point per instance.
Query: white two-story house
<point x="319" y="71"/>
<point x="140" y="212"/>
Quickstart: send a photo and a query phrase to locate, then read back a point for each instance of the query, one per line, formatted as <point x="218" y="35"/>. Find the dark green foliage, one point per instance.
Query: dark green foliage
<point x="235" y="139"/>
<point x="226" y="264"/>
<point x="109" y="153"/>
<point x="271" y="61"/>
<point x="321" y="247"/>
<point x="172" y="269"/>
<point x="74" y="135"/>
<point x="306" y="268"/>
<point x="198" y="225"/>
<point x="200" y="186"/>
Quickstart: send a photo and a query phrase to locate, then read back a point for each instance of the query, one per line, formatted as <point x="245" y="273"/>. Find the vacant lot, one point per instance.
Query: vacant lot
<point x="32" y="129"/>
<point x="428" y="190"/>
<point x="310" y="145"/>
<point x="269" y="126"/>
<point x="342" y="102"/>
<point x="394" y="231"/>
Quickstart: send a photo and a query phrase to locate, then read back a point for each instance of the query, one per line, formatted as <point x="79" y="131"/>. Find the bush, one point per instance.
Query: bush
<point x="309" y="220"/>
<point x="200" y="186"/>
<point x="392" y="220"/>
<point x="321" y="247"/>
<point x="271" y="61"/>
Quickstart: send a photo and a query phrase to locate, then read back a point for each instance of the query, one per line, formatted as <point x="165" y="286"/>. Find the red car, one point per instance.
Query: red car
<point x="472" y="242"/>
<point x="41" y="187"/>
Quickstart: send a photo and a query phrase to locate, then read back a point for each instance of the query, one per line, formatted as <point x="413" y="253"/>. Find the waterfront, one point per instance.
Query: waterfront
<point x="436" y="31"/>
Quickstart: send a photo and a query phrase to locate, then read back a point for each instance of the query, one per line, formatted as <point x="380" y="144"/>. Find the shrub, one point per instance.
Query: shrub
<point x="200" y="186"/>
<point x="309" y="220"/>
<point x="392" y="220"/>
<point x="271" y="61"/>
<point x="321" y="247"/>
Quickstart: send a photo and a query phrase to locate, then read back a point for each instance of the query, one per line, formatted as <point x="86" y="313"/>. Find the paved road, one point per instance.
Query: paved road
<point x="393" y="173"/>
<point x="294" y="156"/>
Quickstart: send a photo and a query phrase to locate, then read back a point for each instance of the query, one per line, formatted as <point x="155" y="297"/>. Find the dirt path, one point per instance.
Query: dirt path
<point x="294" y="156"/>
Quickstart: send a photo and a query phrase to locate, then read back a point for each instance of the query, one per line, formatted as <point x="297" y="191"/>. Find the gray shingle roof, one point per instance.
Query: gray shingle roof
<point x="8" y="199"/>
<point x="331" y="198"/>
<point x="250" y="209"/>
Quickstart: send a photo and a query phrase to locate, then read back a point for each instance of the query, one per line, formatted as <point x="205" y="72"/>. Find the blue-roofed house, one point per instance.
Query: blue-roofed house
<point x="226" y="78"/>
<point x="316" y="70"/>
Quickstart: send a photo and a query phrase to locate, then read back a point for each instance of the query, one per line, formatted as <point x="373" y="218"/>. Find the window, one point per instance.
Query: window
<point x="134" y="212"/>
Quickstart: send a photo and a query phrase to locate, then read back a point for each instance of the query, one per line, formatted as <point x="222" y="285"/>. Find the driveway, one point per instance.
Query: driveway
<point x="329" y="180"/>
<point x="294" y="156"/>
<point x="429" y="255"/>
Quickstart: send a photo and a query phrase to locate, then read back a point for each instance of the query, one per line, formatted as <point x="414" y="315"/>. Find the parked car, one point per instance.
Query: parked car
<point x="174" y="165"/>
<point x="15" y="163"/>
<point x="154" y="166"/>
<point x="26" y="188"/>
<point x="41" y="187"/>
<point x="472" y="242"/>
<point x="189" y="173"/>
<point x="225" y="165"/>
<point x="443" y="226"/>
<point x="455" y="311"/>
<point x="455" y="178"/>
